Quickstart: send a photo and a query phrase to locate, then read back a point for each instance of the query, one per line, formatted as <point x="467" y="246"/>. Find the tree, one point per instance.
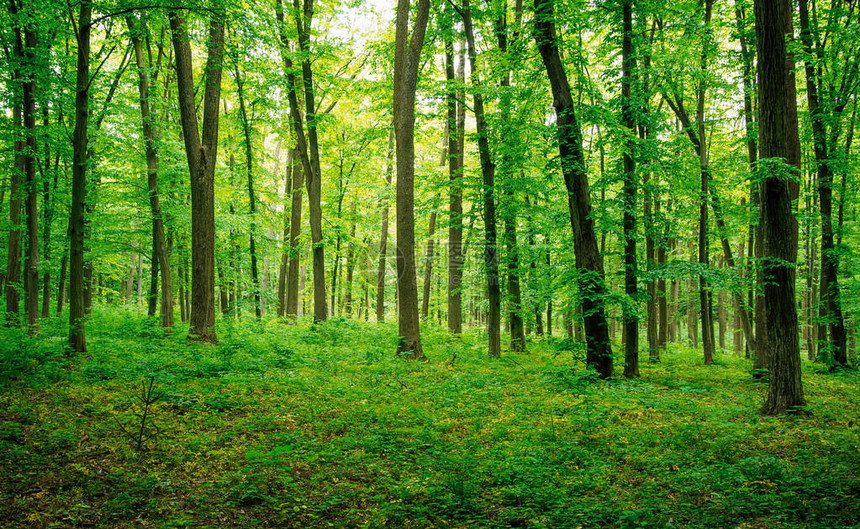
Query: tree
<point x="628" y="120"/>
<point x="306" y="145"/>
<point x="80" y="140"/>
<point x="252" y="200"/>
<point x="407" y="55"/>
<point x="456" y="116"/>
<point x="785" y="388"/>
<point x="147" y="75"/>
<point x="383" y="236"/>
<point x="292" y="309"/>
<point x="824" y="144"/>
<point x="590" y="277"/>
<point x="488" y="168"/>
<point x="201" y="152"/>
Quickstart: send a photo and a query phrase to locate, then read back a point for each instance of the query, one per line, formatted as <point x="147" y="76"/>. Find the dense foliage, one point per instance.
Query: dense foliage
<point x="211" y="214"/>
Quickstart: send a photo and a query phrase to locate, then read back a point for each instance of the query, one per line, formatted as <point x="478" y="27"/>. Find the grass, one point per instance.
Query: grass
<point x="293" y="426"/>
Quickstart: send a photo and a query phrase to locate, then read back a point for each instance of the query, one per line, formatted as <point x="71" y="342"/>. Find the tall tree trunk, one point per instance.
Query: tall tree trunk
<point x="201" y="165"/>
<point x="147" y="74"/>
<point x="704" y="290"/>
<point x="407" y="61"/>
<point x="313" y="174"/>
<point x="295" y="233"/>
<point x="25" y="51"/>
<point x="61" y="285"/>
<point x="252" y="199"/>
<point x="716" y="206"/>
<point x="13" y="245"/>
<point x="631" y="314"/>
<point x="428" y="268"/>
<point x="662" y="294"/>
<point x="80" y="139"/>
<point x="152" y="297"/>
<point x="785" y="388"/>
<point x="829" y="289"/>
<point x="755" y="247"/>
<point x="285" y="253"/>
<point x="48" y="201"/>
<point x="488" y="168"/>
<point x="509" y="212"/>
<point x="350" y="259"/>
<point x="383" y="237"/>
<point x="456" y="126"/>
<point x="592" y="288"/>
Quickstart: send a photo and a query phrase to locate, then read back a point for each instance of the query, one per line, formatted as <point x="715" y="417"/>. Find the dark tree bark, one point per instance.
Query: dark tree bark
<point x="699" y="143"/>
<point x="509" y="212"/>
<point x="428" y="268"/>
<point x="456" y="127"/>
<point x="77" y="226"/>
<point x="488" y="168"/>
<point x="383" y="237"/>
<point x="61" y="285"/>
<point x="48" y="208"/>
<point x="758" y="342"/>
<point x="285" y="253"/>
<point x="662" y="293"/>
<point x="295" y="233"/>
<point x="148" y="74"/>
<point x="24" y="50"/>
<point x="708" y="345"/>
<point x="13" y="246"/>
<point x="407" y="61"/>
<point x="350" y="259"/>
<point x="252" y="199"/>
<point x="306" y="146"/>
<point x="313" y="174"/>
<point x="592" y="287"/>
<point x="785" y="388"/>
<point x="823" y="148"/>
<point x="628" y="120"/>
<point x="201" y="150"/>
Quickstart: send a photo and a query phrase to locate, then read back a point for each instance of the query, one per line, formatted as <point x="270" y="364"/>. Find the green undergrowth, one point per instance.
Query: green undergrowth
<point x="303" y="426"/>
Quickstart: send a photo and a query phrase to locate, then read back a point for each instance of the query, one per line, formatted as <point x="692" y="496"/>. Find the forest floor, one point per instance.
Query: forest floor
<point x="294" y="426"/>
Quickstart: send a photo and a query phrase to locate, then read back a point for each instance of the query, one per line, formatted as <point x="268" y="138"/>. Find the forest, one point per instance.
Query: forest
<point x="357" y="263"/>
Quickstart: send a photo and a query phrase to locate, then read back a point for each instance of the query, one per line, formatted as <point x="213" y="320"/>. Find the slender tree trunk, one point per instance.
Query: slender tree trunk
<point x="293" y="291"/>
<point x="592" y="288"/>
<point x="26" y="52"/>
<point x="488" y="169"/>
<point x="456" y="126"/>
<point x="48" y="213"/>
<point x="785" y="388"/>
<point x="407" y="61"/>
<point x="152" y="297"/>
<point x="77" y="226"/>
<point x="509" y="211"/>
<point x="61" y="286"/>
<point x="383" y="237"/>
<point x="313" y="173"/>
<point x="252" y="199"/>
<point x="428" y="268"/>
<point x="147" y="74"/>
<point x="13" y="245"/>
<point x="759" y="344"/>
<point x="285" y="253"/>
<point x="662" y="294"/>
<point x="350" y="259"/>
<point x="829" y="290"/>
<point x="629" y="191"/>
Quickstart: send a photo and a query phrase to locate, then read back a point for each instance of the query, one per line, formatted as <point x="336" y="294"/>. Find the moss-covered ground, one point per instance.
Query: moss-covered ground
<point x="295" y="426"/>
